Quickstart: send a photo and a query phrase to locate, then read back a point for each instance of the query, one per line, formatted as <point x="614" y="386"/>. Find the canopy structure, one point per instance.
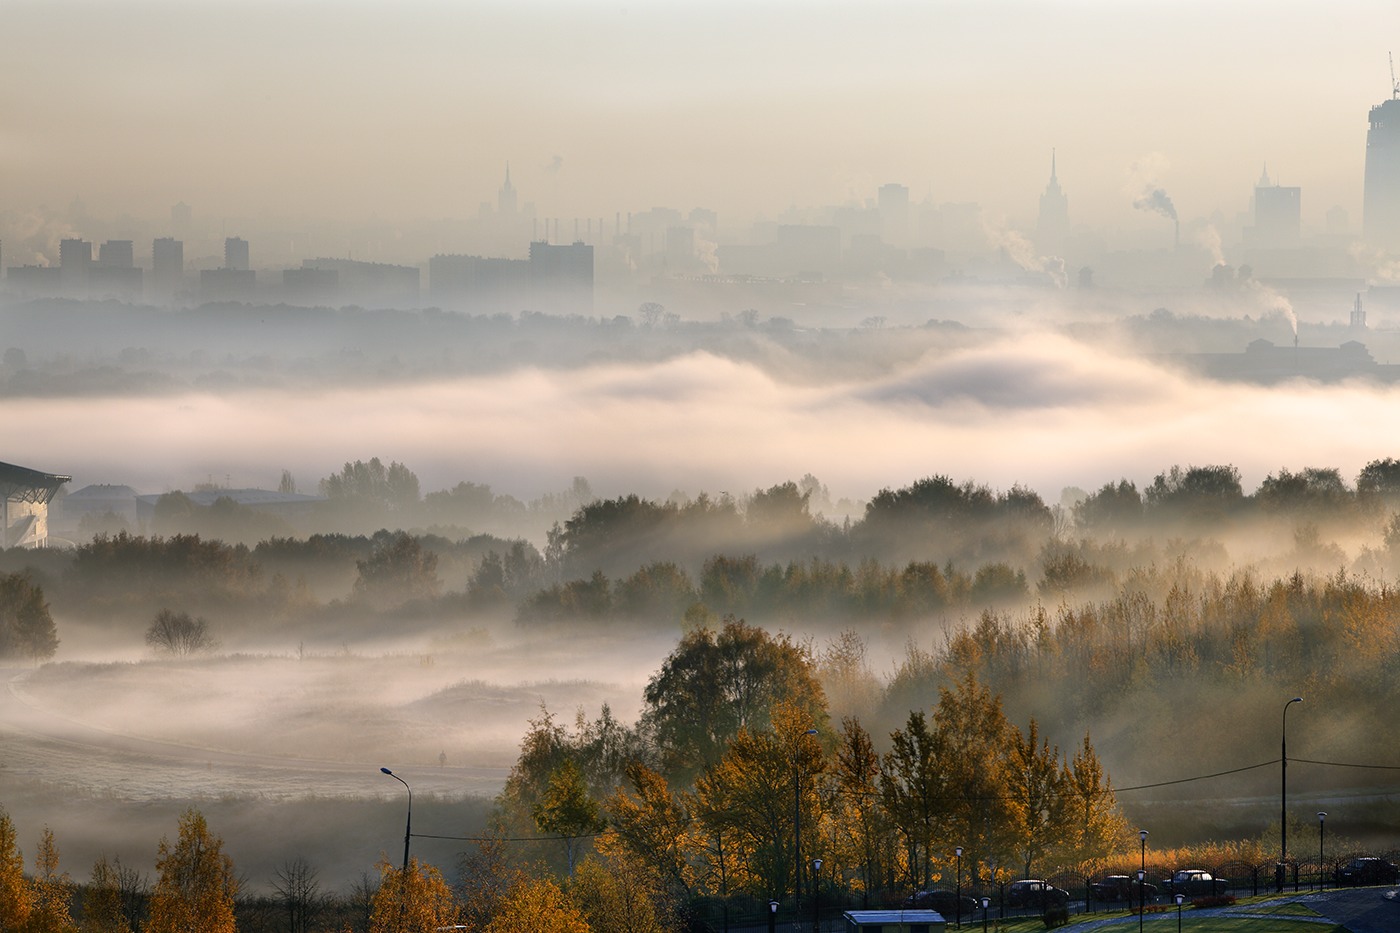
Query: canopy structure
<point x="21" y="484"/>
<point x="25" y="495"/>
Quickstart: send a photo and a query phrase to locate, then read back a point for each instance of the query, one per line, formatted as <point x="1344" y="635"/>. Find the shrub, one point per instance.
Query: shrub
<point x="1056" y="915"/>
<point x="1213" y="900"/>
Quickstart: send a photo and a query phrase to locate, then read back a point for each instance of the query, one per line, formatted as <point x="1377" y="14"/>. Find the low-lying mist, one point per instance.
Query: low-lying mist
<point x="1028" y="407"/>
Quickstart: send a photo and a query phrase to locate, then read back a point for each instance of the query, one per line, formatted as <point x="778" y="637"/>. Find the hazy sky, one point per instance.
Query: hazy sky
<point x="411" y="110"/>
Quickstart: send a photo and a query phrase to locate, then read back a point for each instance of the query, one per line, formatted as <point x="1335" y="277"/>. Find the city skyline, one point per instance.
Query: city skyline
<point x="292" y="112"/>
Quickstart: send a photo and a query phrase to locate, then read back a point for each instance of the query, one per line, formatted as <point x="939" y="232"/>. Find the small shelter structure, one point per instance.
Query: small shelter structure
<point x="909" y="920"/>
<point x="24" y="508"/>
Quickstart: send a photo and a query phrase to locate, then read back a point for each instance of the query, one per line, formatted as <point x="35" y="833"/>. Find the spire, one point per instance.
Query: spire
<point x="507" y="174"/>
<point x="1052" y="165"/>
<point x="1264" y="178"/>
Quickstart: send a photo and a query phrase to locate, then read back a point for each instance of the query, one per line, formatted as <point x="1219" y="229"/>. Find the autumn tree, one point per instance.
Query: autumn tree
<point x="414" y="901"/>
<point x="1095" y="828"/>
<point x="536" y="904"/>
<point x="567" y="810"/>
<point x="26" y="628"/>
<point x="399" y="569"/>
<point x="716" y="683"/>
<point x="654" y="824"/>
<point x="196" y="886"/>
<point x="1036" y="787"/>
<point x="915" y="791"/>
<point x="103" y="907"/>
<point x="486" y="876"/>
<point x="52" y="890"/>
<point x="861" y="825"/>
<point x="16" y="897"/>
<point x="620" y="895"/>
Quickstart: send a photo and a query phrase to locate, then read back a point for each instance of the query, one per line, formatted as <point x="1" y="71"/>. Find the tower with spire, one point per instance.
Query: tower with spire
<point x="505" y="200"/>
<point x="1052" y="223"/>
<point x="1380" y="212"/>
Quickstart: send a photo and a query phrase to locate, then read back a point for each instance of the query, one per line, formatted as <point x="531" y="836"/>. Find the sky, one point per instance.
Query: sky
<point x="404" y="111"/>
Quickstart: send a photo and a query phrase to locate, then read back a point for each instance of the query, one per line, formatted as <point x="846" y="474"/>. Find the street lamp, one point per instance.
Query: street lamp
<point x="816" y="895"/>
<point x="797" y="827"/>
<point x="986" y="902"/>
<point x="408" y="825"/>
<point x="1142" y="896"/>
<point x="772" y="916"/>
<point x="1283" y="797"/>
<point x="1142" y="877"/>
<point x="958" y="899"/>
<point x="1321" y="836"/>
<point x="1179" y="899"/>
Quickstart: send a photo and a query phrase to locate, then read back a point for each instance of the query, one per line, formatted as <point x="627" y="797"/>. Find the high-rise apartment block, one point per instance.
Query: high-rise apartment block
<point x="1380" y="217"/>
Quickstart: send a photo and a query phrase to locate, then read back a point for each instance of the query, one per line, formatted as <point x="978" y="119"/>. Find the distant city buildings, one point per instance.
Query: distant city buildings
<point x="1052" y="222"/>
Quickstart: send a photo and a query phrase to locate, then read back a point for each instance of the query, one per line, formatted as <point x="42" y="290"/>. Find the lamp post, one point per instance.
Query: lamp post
<point x="816" y="895"/>
<point x="1179" y="899"/>
<point x="772" y="916"/>
<point x="1283" y="796"/>
<point x="1142" y="896"/>
<point x="986" y="902"/>
<point x="1321" y="837"/>
<point x="408" y="825"/>
<point x="958" y="899"/>
<point x="1142" y="877"/>
<point x="797" y="827"/>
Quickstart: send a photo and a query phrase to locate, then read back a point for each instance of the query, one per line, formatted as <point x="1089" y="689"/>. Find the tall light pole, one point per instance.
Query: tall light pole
<point x="816" y="895"/>
<point x="1283" y="796"/>
<point x="797" y="827"/>
<point x="408" y="825"/>
<point x="986" y="902"/>
<point x="1321" y="836"/>
<point x="1142" y="877"/>
<point x="958" y="898"/>
<point x="1179" y="899"/>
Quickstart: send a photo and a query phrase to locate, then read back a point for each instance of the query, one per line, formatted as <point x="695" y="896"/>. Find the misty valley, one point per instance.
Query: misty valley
<point x="260" y="668"/>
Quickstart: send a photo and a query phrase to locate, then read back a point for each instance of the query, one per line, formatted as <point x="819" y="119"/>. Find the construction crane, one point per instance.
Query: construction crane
<point x="1394" y="85"/>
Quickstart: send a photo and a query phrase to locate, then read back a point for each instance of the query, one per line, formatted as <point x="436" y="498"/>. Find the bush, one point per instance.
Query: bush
<point x="1213" y="900"/>
<point x="1056" y="915"/>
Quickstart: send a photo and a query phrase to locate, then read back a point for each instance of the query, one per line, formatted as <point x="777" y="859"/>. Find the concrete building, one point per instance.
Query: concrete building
<point x="1278" y="216"/>
<point x="476" y="283"/>
<point x="236" y="254"/>
<point x="167" y="267"/>
<point x="561" y="278"/>
<point x="1380" y="219"/>
<point x="371" y="284"/>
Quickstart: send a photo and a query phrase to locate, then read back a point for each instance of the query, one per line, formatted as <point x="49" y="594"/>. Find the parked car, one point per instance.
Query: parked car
<point x="1034" y="893"/>
<point x="1194" y="882"/>
<point x="945" y="902"/>
<point x="1122" y="888"/>
<point x="1361" y="871"/>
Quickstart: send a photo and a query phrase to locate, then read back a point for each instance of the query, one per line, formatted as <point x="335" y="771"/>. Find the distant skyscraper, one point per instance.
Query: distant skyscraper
<point x="167" y="266"/>
<point x="1277" y="216"/>
<point x="1380" y="218"/>
<point x="893" y="202"/>
<point x="236" y="254"/>
<point x="1052" y="223"/>
<point x="116" y="254"/>
<point x="74" y="262"/>
<point x="505" y="199"/>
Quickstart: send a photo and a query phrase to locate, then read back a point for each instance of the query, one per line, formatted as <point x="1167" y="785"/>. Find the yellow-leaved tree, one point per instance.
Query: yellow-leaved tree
<point x="413" y="901"/>
<point x="16" y="899"/>
<point x="536" y="904"/>
<point x="52" y="890"/>
<point x="196" y="887"/>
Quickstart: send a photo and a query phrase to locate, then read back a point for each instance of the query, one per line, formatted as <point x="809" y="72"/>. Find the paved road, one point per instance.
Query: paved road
<point x="1360" y="910"/>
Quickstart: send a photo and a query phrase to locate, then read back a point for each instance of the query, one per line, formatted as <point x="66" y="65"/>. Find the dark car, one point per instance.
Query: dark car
<point x="1360" y="871"/>
<point x="1194" y="882"/>
<point x="945" y="902"/>
<point x="1033" y="893"/>
<point x="1122" y="888"/>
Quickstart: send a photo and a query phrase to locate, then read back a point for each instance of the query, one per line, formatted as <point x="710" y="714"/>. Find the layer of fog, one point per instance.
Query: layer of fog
<point x="1028" y="407"/>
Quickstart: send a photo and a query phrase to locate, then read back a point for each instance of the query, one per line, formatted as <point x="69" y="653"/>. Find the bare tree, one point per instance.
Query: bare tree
<point x="295" y="884"/>
<point x="179" y="634"/>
